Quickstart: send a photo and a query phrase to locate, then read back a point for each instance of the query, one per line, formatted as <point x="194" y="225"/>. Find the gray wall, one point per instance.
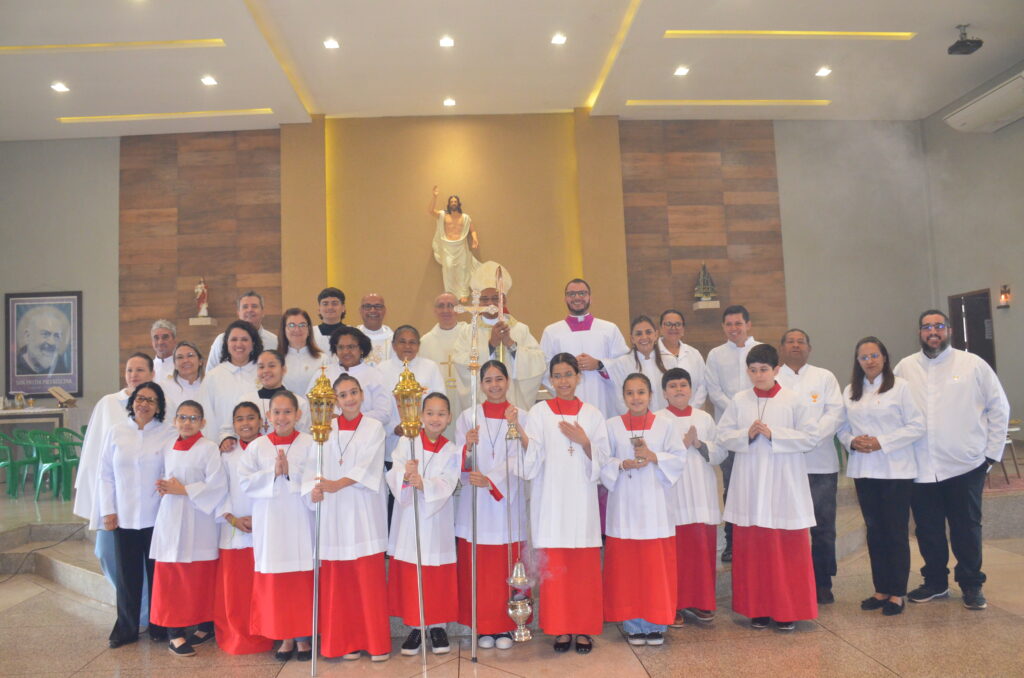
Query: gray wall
<point x="976" y="199"/>
<point x="854" y="235"/>
<point x="59" y="226"/>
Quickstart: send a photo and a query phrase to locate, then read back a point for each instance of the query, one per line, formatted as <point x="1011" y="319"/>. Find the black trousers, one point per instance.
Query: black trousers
<point x="956" y="501"/>
<point x="823" y="534"/>
<point x="134" y="571"/>
<point x="885" y="505"/>
<point x="174" y="632"/>
<point x="726" y="476"/>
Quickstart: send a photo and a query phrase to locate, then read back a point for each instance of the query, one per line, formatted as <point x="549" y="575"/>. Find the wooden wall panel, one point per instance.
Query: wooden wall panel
<point x="197" y="205"/>
<point x="703" y="191"/>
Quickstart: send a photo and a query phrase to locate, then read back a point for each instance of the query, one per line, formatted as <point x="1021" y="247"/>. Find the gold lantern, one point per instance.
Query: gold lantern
<point x="407" y="394"/>
<point x="321" y="407"/>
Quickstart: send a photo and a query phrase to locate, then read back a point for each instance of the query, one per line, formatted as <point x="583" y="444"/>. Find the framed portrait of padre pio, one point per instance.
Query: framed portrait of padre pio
<point x="44" y="342"/>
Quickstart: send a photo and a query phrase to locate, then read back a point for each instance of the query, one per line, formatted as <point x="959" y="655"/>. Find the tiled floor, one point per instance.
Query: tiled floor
<point x="46" y="630"/>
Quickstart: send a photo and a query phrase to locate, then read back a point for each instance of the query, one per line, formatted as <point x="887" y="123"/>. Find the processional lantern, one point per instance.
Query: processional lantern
<point x="321" y="407"/>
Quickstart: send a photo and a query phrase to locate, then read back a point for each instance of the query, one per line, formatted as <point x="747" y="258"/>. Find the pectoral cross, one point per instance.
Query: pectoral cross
<point x="449" y="380"/>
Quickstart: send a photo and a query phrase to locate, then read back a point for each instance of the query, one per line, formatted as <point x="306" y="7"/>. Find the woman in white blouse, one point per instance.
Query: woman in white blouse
<point x="882" y="423"/>
<point x="235" y="375"/>
<point x="302" y="354"/>
<point x="184" y="383"/>
<point x="131" y="463"/>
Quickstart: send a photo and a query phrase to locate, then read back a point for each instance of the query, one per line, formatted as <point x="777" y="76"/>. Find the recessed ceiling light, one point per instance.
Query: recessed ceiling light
<point x="823" y="71"/>
<point x="682" y="70"/>
<point x="449" y="102"/>
<point x="558" y="39"/>
<point x="208" y="80"/>
<point x="59" y="87"/>
<point x="331" y="43"/>
<point x="447" y="41"/>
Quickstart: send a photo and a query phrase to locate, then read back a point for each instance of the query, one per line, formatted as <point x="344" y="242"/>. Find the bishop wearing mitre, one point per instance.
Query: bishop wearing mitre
<point x="500" y="337"/>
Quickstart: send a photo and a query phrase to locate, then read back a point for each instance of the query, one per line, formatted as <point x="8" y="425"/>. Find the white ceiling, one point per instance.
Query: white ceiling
<point x="390" y="64"/>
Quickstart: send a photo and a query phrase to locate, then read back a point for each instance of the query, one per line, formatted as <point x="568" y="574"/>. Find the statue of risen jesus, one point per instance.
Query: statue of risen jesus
<point x="454" y="236"/>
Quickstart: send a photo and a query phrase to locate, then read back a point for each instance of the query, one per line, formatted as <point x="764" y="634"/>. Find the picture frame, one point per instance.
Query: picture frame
<point x="43" y="331"/>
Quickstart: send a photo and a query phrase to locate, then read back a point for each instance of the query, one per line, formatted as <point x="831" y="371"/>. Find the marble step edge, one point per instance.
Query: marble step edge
<point x="42" y="532"/>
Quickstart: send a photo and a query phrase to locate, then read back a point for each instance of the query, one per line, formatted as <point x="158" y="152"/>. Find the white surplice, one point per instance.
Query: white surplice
<point x="282" y="524"/>
<point x="563" y="484"/>
<point x="377" y="397"/>
<point x="696" y="492"/>
<point x="130" y="465"/>
<point x="894" y="419"/>
<point x="162" y="368"/>
<point x="179" y="390"/>
<point x="353" y="520"/>
<point x="439" y="345"/>
<point x="692" y="361"/>
<point x="824" y="401"/>
<point x="301" y="368"/>
<point x="304" y="424"/>
<point x="604" y="342"/>
<point x="268" y="338"/>
<point x="427" y="375"/>
<point x="222" y="389"/>
<point x="625" y="365"/>
<point x="440" y="472"/>
<point x="108" y="412"/>
<point x="769" y="477"/>
<point x="640" y="500"/>
<point x="186" y="525"/>
<point x="526" y="366"/>
<point x="726" y="373"/>
<point x="236" y="502"/>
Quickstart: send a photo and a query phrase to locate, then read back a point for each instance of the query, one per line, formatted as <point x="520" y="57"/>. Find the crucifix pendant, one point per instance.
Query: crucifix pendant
<point x="571" y="448"/>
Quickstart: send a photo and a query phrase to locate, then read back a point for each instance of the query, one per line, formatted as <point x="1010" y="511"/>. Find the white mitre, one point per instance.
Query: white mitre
<point x="486" y="276"/>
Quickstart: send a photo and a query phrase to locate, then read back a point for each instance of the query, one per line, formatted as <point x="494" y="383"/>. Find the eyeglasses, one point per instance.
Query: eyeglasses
<point x="297" y="326"/>
<point x="673" y="326"/>
<point x="934" y="326"/>
<point x="577" y="295"/>
<point x="373" y="307"/>
<point x="186" y="356"/>
<point x="145" y="399"/>
<point x="869" y="356"/>
<point x="188" y="417"/>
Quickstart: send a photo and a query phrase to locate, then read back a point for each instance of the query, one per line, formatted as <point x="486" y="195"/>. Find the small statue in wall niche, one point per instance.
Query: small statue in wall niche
<point x="705" y="292"/>
<point x="202" y="299"/>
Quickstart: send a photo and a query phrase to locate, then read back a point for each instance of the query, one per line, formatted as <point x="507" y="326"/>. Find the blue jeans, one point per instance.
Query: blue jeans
<point x="634" y="626"/>
<point x="108" y="564"/>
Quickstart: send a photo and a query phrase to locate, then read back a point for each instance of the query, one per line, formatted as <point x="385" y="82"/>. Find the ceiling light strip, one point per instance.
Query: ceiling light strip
<point x="114" y="46"/>
<point x="728" y="102"/>
<point x="613" y="53"/>
<point x="278" y="46"/>
<point x="166" y="116"/>
<point x="806" y="35"/>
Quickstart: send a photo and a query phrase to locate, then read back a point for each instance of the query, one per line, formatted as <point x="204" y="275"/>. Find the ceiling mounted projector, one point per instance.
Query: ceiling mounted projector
<point x="965" y="45"/>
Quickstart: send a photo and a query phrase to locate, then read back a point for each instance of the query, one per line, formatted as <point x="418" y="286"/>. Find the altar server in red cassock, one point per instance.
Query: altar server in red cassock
<point x="232" y="605"/>
<point x="353" y="531"/>
<point x="434" y="475"/>
<point x="769" y="500"/>
<point x="282" y="531"/>
<point x="695" y="500"/>
<point x="501" y="517"/>
<point x="640" y="550"/>
<point x="568" y="445"/>
<point x="185" y="535"/>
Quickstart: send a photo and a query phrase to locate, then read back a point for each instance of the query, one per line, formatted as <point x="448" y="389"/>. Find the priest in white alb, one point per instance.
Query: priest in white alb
<point x="439" y="345"/>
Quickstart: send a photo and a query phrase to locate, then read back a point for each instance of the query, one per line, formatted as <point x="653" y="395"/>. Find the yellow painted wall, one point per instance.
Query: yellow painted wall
<point x="303" y="215"/>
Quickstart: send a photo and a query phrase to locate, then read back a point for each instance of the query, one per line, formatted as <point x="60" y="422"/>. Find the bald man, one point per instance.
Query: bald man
<point x="373" y="309"/>
<point x="439" y="345"/>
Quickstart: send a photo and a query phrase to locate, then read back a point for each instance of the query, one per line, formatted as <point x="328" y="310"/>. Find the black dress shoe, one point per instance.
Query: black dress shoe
<point x="563" y="645"/>
<point x="304" y="655"/>
<point x="873" y="603"/>
<point x="584" y="644"/>
<point x="825" y="596"/>
<point x="891" y="609"/>
<point x="158" y="634"/>
<point x="115" y="643"/>
<point x="183" y="650"/>
<point x="283" y="656"/>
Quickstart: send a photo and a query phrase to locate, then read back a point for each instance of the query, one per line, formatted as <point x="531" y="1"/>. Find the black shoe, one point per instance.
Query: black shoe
<point x="183" y="650"/>
<point x="584" y="644"/>
<point x="924" y="593"/>
<point x="304" y="655"/>
<point x="873" y="603"/>
<point x="760" y="622"/>
<point x="727" y="554"/>
<point x="785" y="625"/>
<point x="115" y="643"/>
<point x="411" y="645"/>
<point x="825" y="596"/>
<point x="563" y="645"/>
<point x="284" y="655"/>
<point x="439" y="641"/>
<point x="636" y="639"/>
<point x="974" y="599"/>
<point x="158" y="634"/>
<point x="891" y="609"/>
<point x="196" y="639"/>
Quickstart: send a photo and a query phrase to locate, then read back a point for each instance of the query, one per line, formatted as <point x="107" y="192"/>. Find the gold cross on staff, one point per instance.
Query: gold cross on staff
<point x="450" y="363"/>
<point x="474" y="311"/>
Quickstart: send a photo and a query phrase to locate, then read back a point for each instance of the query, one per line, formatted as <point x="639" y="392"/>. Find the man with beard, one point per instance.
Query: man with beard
<point x="591" y="341"/>
<point x="43" y="336"/>
<point x="250" y="309"/>
<point x="164" y="335"/>
<point x="966" y="415"/>
<point x="454" y="236"/>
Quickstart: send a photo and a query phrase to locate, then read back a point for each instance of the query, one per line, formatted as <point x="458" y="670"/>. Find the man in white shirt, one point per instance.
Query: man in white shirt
<point x="164" y="336"/>
<point x="373" y="309"/>
<point x="250" y="309"/>
<point x="439" y="345"/>
<point x="966" y="414"/>
<point x="591" y="341"/>
<point x="823" y="400"/>
<point x="725" y="376"/>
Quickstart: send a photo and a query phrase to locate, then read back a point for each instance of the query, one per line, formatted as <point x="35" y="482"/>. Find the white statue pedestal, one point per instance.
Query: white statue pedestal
<point x="701" y="305"/>
<point x="204" y="322"/>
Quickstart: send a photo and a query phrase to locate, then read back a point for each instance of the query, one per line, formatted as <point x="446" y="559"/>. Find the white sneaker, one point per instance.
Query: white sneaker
<point x="380" y="657"/>
<point x="352" y="655"/>
<point x="485" y="642"/>
<point x="503" y="641"/>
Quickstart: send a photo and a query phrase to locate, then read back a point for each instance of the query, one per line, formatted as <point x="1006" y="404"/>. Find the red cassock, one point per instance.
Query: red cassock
<point x="440" y="592"/>
<point x="232" y="604"/>
<point x="695" y="566"/>
<point x="570" y="591"/>
<point x="282" y="605"/>
<point x="491" y="588"/>
<point x="183" y="593"/>
<point x="354" y="606"/>
<point x="772" y="574"/>
<point x="640" y="579"/>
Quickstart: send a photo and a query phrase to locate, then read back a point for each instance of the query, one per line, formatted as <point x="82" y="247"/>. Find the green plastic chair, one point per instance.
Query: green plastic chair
<point x="63" y="433"/>
<point x="68" y="441"/>
<point x="5" y="463"/>
<point x="27" y="460"/>
<point x="50" y="461"/>
<point x="83" y="427"/>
